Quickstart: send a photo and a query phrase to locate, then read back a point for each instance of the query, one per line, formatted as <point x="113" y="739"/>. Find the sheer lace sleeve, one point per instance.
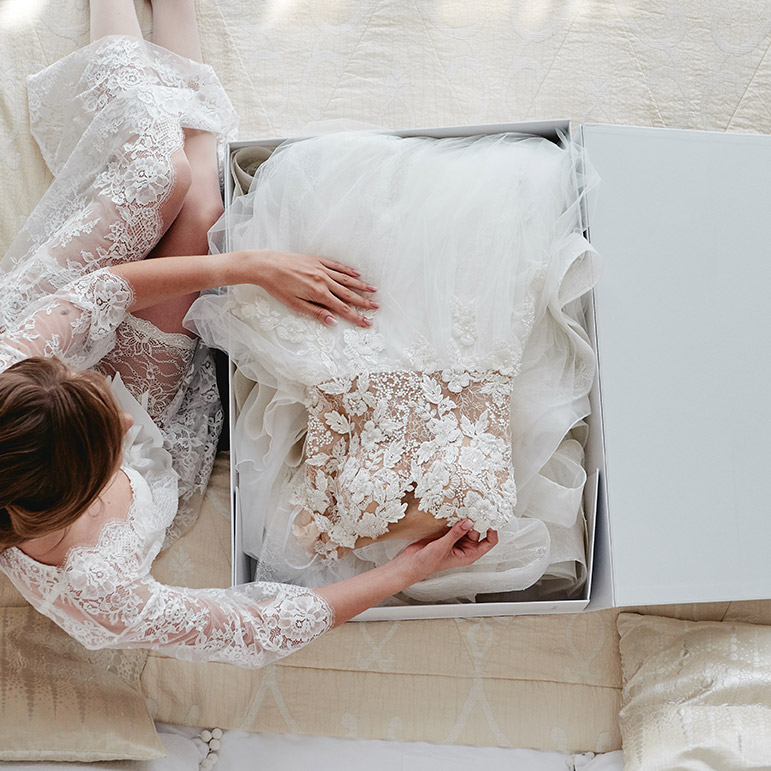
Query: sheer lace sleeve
<point x="77" y="323"/>
<point x="104" y="597"/>
<point x="249" y="625"/>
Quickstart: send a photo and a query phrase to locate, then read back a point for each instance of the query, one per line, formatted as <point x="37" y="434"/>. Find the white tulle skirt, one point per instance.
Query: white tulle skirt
<point x="476" y="248"/>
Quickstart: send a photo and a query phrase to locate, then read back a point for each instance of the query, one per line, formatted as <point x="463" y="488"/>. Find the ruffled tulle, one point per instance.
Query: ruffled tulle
<point x="476" y="248"/>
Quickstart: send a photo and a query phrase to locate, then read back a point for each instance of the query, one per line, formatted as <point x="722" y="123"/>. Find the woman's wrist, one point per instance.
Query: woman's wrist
<point x="409" y="569"/>
<point x="241" y="267"/>
<point x="350" y="597"/>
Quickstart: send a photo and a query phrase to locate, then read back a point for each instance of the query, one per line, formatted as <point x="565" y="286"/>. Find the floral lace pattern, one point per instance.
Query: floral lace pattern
<point x="111" y="145"/>
<point x="173" y="378"/>
<point x="103" y="596"/>
<point x="442" y="436"/>
<point x="77" y="323"/>
<point x="151" y="363"/>
<point x="105" y="205"/>
<point x="312" y="353"/>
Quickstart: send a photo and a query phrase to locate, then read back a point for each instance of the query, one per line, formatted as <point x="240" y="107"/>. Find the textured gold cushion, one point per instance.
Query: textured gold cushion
<point x="59" y="701"/>
<point x="551" y="682"/>
<point x="10" y="597"/>
<point x="696" y="695"/>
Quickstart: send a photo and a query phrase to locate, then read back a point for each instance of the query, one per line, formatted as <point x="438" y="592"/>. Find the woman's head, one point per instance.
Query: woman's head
<point x="61" y="435"/>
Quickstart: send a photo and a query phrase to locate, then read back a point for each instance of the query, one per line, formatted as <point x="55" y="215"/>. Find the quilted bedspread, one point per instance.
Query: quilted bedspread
<point x="550" y="682"/>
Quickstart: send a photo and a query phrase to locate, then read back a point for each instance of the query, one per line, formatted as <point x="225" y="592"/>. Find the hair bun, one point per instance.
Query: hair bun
<point x="61" y="438"/>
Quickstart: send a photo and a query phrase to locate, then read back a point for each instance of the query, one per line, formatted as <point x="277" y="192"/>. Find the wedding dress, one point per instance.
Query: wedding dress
<point x="108" y="119"/>
<point x="465" y="397"/>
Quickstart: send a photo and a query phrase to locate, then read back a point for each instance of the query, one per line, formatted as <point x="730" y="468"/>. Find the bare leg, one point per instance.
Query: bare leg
<point x="113" y="17"/>
<point x="202" y="207"/>
<point x="175" y="27"/>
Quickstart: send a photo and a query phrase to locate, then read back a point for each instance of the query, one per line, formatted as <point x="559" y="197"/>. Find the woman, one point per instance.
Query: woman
<point x="96" y="476"/>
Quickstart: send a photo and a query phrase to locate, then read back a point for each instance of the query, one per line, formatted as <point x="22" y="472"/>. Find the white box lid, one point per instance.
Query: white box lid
<point x="682" y="220"/>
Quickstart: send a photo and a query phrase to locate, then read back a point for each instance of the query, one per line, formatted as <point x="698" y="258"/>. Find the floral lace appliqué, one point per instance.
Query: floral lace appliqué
<point x="442" y="436"/>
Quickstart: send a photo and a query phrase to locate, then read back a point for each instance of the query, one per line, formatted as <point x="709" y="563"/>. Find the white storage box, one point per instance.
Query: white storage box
<point x="675" y="501"/>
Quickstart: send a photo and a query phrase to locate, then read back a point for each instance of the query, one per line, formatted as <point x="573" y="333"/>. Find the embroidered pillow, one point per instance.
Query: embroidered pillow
<point x="59" y="701"/>
<point x="696" y="694"/>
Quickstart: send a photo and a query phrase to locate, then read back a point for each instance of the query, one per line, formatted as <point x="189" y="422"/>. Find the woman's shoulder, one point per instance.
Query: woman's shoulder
<point x="113" y="505"/>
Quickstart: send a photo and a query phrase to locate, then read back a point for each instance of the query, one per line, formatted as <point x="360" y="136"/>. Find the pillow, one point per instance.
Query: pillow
<point x="184" y="752"/>
<point x="10" y="597"/>
<point x="696" y="694"/>
<point x="59" y="701"/>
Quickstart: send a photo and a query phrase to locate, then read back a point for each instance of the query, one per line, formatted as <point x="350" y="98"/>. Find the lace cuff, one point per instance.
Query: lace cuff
<point x="77" y="323"/>
<point x="293" y="616"/>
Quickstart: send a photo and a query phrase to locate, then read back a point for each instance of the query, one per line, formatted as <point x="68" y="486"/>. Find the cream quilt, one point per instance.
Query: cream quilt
<point x="550" y="682"/>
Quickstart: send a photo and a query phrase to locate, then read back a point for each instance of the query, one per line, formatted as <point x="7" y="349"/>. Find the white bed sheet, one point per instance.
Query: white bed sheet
<point x="241" y="751"/>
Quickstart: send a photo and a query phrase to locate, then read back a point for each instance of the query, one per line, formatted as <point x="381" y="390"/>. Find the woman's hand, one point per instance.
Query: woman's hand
<point x="318" y="286"/>
<point x="452" y="550"/>
<point x="456" y="548"/>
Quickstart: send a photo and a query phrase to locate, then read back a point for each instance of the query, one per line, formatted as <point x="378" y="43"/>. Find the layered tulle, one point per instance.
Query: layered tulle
<point x="476" y="248"/>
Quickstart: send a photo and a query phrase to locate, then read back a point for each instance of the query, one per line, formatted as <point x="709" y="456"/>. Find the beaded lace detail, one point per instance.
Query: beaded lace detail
<point x="442" y="436"/>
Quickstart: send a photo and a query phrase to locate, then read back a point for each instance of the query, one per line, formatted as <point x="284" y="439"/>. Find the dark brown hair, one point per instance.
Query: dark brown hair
<point x="60" y="444"/>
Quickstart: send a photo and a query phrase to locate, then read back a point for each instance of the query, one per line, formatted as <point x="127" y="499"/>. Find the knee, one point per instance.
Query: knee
<point x="200" y="212"/>
<point x="181" y="178"/>
<point x="210" y="210"/>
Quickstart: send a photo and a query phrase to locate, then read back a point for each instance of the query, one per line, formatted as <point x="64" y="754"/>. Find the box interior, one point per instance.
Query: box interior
<point x="513" y="603"/>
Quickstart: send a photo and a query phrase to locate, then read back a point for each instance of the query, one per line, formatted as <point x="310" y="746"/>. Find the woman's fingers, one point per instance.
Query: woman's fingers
<point x="321" y="287"/>
<point x="458" y="530"/>
<point x="491" y="539"/>
<point x="339" y="266"/>
<point x="473" y="550"/>
<point x="346" y="295"/>
<point x="480" y="548"/>
<point x="319" y="312"/>
<point x="327" y="308"/>
<point x="338" y="307"/>
<point x="351" y="283"/>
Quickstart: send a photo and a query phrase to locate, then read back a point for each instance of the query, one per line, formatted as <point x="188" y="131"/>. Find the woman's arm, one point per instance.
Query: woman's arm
<point x="317" y="286"/>
<point x="77" y="323"/>
<point x="250" y="625"/>
<point x="418" y="561"/>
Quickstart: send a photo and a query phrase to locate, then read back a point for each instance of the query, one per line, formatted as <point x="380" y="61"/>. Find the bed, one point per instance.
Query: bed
<point x="551" y="683"/>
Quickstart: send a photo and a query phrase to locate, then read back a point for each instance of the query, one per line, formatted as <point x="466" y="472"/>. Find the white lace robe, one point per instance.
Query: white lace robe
<point x="108" y="119"/>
